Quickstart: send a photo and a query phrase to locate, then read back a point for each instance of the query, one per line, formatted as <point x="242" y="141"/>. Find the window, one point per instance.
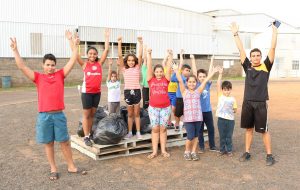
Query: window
<point x="295" y="65"/>
<point x="128" y="48"/>
<point x="36" y="46"/>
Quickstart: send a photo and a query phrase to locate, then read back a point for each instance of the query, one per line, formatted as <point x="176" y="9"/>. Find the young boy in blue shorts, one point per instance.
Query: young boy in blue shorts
<point x="51" y="122"/>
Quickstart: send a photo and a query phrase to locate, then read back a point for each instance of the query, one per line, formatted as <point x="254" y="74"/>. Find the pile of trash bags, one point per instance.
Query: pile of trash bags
<point x="112" y="128"/>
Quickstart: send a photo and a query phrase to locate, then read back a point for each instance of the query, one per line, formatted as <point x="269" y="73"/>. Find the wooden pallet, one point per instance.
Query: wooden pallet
<point x="128" y="147"/>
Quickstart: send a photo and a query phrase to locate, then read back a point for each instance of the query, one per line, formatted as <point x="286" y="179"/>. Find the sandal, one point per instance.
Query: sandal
<point x="151" y="156"/>
<point x="79" y="171"/>
<point x="53" y="176"/>
<point x="165" y="155"/>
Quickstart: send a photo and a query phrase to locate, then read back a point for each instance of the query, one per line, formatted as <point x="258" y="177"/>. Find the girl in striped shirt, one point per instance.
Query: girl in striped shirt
<point x="130" y="66"/>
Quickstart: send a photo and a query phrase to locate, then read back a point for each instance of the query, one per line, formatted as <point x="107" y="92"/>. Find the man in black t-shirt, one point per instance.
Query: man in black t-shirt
<point x="254" y="109"/>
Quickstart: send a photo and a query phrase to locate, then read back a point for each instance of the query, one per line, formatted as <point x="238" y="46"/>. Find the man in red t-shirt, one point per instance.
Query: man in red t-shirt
<point x="51" y="122"/>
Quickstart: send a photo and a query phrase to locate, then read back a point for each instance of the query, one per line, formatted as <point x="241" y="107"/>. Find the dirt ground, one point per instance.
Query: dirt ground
<point x="23" y="164"/>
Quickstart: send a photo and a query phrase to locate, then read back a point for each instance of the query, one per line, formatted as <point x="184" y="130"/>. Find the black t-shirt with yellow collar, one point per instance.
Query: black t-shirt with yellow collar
<point x="256" y="82"/>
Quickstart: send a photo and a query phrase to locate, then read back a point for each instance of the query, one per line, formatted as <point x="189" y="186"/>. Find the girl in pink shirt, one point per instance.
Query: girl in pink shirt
<point x="192" y="111"/>
<point x="159" y="105"/>
<point x="91" y="86"/>
<point x="130" y="66"/>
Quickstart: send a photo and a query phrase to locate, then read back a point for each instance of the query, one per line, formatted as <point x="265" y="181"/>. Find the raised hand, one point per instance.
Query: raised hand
<point x="140" y="39"/>
<point x="68" y="34"/>
<point x="107" y="32"/>
<point x="221" y="70"/>
<point x="118" y="61"/>
<point x="13" y="44"/>
<point x="234" y="28"/>
<point x="192" y="56"/>
<point x="120" y="39"/>
<point x="110" y="61"/>
<point x="182" y="51"/>
<point x="75" y="39"/>
<point x="149" y="51"/>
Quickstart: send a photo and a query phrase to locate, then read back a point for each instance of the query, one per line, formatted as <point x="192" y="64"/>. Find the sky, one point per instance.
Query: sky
<point x="285" y="11"/>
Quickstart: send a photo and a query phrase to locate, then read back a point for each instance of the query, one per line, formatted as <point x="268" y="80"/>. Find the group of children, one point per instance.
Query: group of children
<point x="183" y="93"/>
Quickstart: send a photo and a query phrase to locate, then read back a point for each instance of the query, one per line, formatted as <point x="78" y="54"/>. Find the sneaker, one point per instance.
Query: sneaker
<point x="201" y="151"/>
<point x="221" y="153"/>
<point x="187" y="156"/>
<point x="87" y="141"/>
<point x="128" y="136"/>
<point x="195" y="156"/>
<point x="245" y="157"/>
<point x="230" y="154"/>
<point x="270" y="160"/>
<point x="139" y="136"/>
<point x="213" y="149"/>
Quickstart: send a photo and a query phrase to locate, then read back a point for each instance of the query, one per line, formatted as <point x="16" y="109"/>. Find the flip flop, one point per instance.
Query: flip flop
<point x="151" y="156"/>
<point x="165" y="155"/>
<point x="53" y="176"/>
<point x="79" y="171"/>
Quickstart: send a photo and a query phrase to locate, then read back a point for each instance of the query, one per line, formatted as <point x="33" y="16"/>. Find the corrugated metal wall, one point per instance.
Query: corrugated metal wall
<point x="161" y="26"/>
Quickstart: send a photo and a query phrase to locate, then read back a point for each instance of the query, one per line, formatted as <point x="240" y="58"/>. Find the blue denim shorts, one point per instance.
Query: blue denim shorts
<point x="192" y="129"/>
<point x="51" y="127"/>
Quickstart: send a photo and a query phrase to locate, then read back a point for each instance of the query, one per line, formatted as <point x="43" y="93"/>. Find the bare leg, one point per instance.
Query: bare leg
<point x="194" y="144"/>
<point x="130" y="117"/>
<point x="86" y="121"/>
<point x="188" y="145"/>
<point x="66" y="150"/>
<point x="137" y="117"/>
<point x="49" y="149"/>
<point x="163" y="141"/>
<point x="248" y="139"/>
<point x="267" y="142"/>
<point x="91" y="118"/>
<point x="155" y="140"/>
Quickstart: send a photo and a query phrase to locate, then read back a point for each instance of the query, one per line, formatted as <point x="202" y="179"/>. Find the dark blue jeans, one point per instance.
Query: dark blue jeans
<point x="209" y="122"/>
<point x="225" y="127"/>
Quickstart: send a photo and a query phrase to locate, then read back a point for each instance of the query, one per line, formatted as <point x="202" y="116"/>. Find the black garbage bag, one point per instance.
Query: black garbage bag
<point x="99" y="115"/>
<point x="110" y="130"/>
<point x="145" y="122"/>
<point x="123" y="113"/>
<point x="80" y="132"/>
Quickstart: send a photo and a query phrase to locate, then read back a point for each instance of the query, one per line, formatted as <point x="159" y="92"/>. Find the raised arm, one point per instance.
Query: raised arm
<point x="68" y="67"/>
<point x="149" y="64"/>
<point x="271" y="53"/>
<point x="181" y="58"/>
<point x="106" y="46"/>
<point x="140" y="53"/>
<point x="110" y="62"/>
<point x="211" y="63"/>
<point x="238" y="42"/>
<point x="145" y="55"/>
<point x="209" y="76"/>
<point x="169" y="63"/>
<point x="194" y="68"/>
<point x="219" y="82"/>
<point x="118" y="72"/>
<point x="163" y="63"/>
<point x="19" y="61"/>
<point x="69" y="35"/>
<point x="121" y="60"/>
<point x="181" y="84"/>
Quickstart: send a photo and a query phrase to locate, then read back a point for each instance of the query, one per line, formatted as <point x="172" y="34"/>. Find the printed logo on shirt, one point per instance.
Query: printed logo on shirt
<point x="89" y="73"/>
<point x="94" y="68"/>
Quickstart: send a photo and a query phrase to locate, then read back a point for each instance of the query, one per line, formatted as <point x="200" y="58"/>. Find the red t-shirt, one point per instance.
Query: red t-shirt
<point x="50" y="89"/>
<point x="159" y="92"/>
<point x="92" y="78"/>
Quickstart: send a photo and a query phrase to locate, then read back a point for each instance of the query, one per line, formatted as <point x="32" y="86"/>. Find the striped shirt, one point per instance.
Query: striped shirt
<point x="132" y="78"/>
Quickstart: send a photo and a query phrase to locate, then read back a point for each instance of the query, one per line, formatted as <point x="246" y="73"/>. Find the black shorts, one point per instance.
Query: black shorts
<point x="132" y="97"/>
<point x="90" y="100"/>
<point x="179" y="107"/>
<point x="145" y="98"/>
<point x="255" y="114"/>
